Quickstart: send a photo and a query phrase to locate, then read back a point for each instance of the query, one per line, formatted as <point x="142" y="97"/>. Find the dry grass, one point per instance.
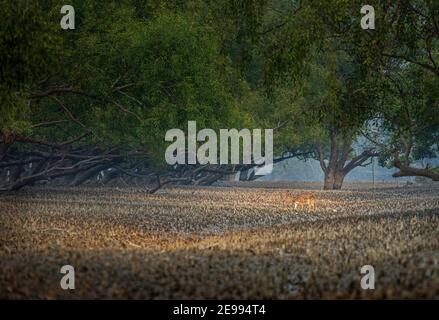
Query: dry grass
<point x="219" y="243"/>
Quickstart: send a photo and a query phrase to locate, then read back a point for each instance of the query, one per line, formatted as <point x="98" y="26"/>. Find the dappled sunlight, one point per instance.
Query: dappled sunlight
<point x="219" y="243"/>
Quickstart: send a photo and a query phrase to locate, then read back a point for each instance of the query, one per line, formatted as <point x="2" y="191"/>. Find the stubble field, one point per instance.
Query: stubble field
<point x="219" y="243"/>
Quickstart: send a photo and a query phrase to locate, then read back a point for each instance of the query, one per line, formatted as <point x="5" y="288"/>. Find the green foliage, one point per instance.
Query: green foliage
<point x="137" y="68"/>
<point x="27" y="45"/>
<point x="410" y="113"/>
<point x="133" y="76"/>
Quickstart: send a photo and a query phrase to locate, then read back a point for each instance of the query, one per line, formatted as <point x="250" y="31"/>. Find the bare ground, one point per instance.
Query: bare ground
<point x="221" y="242"/>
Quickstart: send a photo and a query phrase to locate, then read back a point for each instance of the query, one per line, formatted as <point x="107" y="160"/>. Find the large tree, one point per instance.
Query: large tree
<point x="321" y="94"/>
<point x="323" y="119"/>
<point x="406" y="125"/>
<point x="102" y="96"/>
<point x="406" y="35"/>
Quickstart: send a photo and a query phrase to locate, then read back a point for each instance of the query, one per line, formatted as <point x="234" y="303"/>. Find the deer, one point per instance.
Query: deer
<point x="303" y="199"/>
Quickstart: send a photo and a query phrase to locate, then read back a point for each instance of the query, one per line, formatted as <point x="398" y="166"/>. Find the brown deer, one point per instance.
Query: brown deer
<point x="305" y="198"/>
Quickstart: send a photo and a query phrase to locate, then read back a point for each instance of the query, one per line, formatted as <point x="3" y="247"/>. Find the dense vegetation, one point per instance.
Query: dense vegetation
<point x="98" y="99"/>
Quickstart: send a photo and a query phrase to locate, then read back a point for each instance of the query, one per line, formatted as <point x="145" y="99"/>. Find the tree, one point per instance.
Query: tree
<point x="404" y="53"/>
<point x="406" y="34"/>
<point x="331" y="92"/>
<point x="102" y="104"/>
<point x="406" y="127"/>
<point x="100" y="98"/>
<point x="325" y="117"/>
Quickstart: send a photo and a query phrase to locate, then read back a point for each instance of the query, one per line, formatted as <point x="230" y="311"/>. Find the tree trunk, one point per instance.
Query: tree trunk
<point x="338" y="166"/>
<point x="328" y="183"/>
<point x="338" y="180"/>
<point x="333" y="179"/>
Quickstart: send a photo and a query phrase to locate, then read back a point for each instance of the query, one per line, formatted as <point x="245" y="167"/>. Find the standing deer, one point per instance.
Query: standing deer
<point x="305" y="198"/>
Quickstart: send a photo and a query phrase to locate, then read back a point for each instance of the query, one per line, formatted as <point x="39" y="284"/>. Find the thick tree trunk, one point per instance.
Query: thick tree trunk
<point x="338" y="166"/>
<point x="338" y="180"/>
<point x="333" y="180"/>
<point x="328" y="183"/>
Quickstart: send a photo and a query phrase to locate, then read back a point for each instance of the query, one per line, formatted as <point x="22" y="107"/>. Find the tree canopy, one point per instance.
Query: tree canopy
<point x="75" y="103"/>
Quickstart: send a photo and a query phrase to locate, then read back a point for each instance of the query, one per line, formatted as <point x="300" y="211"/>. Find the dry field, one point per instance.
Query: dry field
<point x="219" y="242"/>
